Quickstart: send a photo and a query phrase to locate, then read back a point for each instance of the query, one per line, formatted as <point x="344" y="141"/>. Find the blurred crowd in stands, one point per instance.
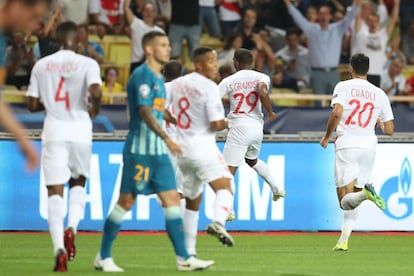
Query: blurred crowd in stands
<point x="303" y="45"/>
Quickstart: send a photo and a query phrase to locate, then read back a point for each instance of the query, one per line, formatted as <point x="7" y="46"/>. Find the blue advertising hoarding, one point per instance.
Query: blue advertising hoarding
<point x="305" y="170"/>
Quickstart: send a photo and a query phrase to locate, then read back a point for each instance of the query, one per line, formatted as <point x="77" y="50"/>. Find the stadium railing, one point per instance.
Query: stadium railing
<point x="13" y="95"/>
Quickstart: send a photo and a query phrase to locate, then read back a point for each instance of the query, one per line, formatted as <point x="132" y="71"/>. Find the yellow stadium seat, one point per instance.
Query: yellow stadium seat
<point x="284" y="102"/>
<point x="118" y="52"/>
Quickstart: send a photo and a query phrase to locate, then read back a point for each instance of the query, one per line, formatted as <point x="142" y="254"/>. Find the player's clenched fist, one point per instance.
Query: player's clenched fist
<point x="271" y="117"/>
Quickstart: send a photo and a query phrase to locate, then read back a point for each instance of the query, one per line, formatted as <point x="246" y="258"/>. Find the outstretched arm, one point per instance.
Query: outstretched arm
<point x="129" y="15"/>
<point x="299" y="19"/>
<point x="350" y="15"/>
<point x="394" y="17"/>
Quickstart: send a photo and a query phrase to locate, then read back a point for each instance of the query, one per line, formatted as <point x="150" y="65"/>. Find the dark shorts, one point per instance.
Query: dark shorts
<point x="143" y="174"/>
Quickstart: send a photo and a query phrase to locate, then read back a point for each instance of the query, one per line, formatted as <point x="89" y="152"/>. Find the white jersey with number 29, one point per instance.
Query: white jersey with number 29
<point x="363" y="103"/>
<point x="242" y="89"/>
<point x="196" y="101"/>
<point x="61" y="81"/>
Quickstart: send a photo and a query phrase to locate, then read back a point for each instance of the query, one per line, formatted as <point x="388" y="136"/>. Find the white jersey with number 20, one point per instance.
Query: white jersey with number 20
<point x="61" y="81"/>
<point x="363" y="103"/>
<point x="242" y="90"/>
<point x="196" y="102"/>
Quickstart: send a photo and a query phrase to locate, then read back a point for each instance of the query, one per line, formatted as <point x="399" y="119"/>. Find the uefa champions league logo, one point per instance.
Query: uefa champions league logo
<point x="395" y="192"/>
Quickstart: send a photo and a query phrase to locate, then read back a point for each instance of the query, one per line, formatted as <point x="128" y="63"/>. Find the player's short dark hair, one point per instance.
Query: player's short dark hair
<point x="226" y="70"/>
<point x="360" y="64"/>
<point x="149" y="37"/>
<point x="172" y="70"/>
<point x="64" y="29"/>
<point x="200" y="52"/>
<point x="243" y="57"/>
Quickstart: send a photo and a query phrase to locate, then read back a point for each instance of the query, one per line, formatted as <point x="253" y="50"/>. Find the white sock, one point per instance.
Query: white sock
<point x="223" y="204"/>
<point x="263" y="170"/>
<point x="347" y="225"/>
<point x="233" y="186"/>
<point x="55" y="218"/>
<point x="182" y="206"/>
<point x="352" y="200"/>
<point x="77" y="198"/>
<point x="190" y="221"/>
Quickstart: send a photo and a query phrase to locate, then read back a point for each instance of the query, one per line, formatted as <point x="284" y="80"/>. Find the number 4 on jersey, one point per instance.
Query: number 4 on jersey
<point x="62" y="98"/>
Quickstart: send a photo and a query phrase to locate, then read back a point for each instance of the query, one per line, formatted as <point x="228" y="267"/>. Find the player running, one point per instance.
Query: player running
<point x="357" y="107"/>
<point x="247" y="90"/>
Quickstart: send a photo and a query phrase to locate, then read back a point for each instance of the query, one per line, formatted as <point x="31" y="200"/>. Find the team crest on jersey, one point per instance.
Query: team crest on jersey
<point x="144" y="90"/>
<point x="155" y="87"/>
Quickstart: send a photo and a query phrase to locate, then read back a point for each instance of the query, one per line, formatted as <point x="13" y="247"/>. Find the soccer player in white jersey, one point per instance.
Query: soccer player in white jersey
<point x="61" y="84"/>
<point x="358" y="106"/>
<point x="247" y="90"/>
<point x="199" y="114"/>
<point x="173" y="70"/>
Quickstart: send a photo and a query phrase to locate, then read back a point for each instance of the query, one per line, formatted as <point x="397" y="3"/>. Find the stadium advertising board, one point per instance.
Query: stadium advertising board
<point x="305" y="170"/>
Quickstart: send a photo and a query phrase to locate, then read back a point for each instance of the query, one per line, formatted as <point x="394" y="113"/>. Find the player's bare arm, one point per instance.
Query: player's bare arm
<point x="146" y="116"/>
<point x="169" y="117"/>
<point x="333" y="121"/>
<point x="95" y="94"/>
<point x="11" y="125"/>
<point x="265" y="100"/>
<point x="219" y="125"/>
<point x="225" y="100"/>
<point x="129" y="15"/>
<point x="34" y="104"/>
<point x="388" y="128"/>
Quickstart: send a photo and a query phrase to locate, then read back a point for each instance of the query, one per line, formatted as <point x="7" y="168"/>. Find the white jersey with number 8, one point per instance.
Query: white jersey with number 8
<point x="242" y="90"/>
<point x="363" y="103"/>
<point x="196" y="101"/>
<point x="61" y="81"/>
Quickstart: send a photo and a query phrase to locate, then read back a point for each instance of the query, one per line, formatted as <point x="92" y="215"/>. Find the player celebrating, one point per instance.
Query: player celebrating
<point x="18" y="15"/>
<point x="61" y="84"/>
<point x="199" y="113"/>
<point x="357" y="107"/>
<point x="247" y="90"/>
<point x="147" y="167"/>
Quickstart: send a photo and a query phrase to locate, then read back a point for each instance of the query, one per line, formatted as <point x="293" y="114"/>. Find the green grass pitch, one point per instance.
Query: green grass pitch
<point x="287" y="254"/>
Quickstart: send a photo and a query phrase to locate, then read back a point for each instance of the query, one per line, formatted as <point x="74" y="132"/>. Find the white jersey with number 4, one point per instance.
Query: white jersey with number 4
<point x="242" y="88"/>
<point x="363" y="103"/>
<point x="61" y="81"/>
<point x="196" y="102"/>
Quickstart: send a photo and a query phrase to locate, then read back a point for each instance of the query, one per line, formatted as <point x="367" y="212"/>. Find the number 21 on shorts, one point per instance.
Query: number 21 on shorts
<point x="60" y="96"/>
<point x="142" y="173"/>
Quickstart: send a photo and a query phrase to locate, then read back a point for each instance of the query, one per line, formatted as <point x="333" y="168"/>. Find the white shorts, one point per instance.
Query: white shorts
<point x="200" y="167"/>
<point x="178" y="177"/>
<point x="64" y="160"/>
<point x="243" y="141"/>
<point x="353" y="164"/>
